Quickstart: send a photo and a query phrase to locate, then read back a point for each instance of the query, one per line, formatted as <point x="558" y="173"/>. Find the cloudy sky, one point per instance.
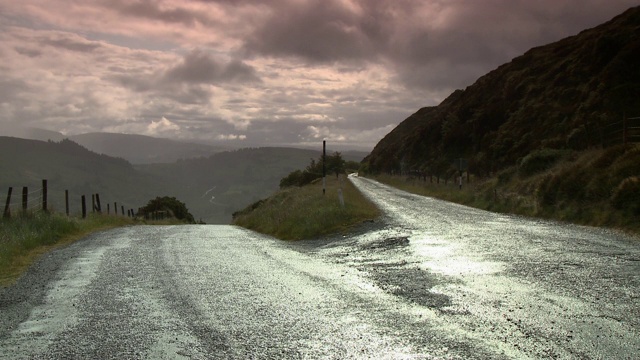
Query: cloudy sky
<point x="273" y="72"/>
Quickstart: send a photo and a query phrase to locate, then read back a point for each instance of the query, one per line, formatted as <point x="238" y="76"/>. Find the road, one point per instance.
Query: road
<point x="429" y="280"/>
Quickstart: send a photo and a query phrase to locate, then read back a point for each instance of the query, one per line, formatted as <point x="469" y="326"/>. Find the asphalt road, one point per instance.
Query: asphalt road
<point x="430" y="280"/>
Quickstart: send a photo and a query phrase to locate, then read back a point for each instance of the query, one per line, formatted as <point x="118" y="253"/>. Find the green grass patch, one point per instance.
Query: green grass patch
<point x="297" y="213"/>
<point x="24" y="238"/>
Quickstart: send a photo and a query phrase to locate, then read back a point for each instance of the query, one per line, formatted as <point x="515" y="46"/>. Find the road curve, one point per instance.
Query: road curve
<point x="532" y="288"/>
<point x="430" y="280"/>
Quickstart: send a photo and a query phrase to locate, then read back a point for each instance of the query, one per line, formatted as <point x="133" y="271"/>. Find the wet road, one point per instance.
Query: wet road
<point x="430" y="280"/>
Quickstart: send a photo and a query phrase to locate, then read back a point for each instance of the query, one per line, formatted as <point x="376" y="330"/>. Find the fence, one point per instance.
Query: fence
<point x="38" y="200"/>
<point x="624" y="132"/>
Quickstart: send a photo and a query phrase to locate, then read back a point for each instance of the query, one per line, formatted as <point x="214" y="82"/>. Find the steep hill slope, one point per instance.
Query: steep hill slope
<point x="562" y="95"/>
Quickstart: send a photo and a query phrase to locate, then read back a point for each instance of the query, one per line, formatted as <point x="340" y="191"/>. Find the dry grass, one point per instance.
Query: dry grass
<point x="297" y="213"/>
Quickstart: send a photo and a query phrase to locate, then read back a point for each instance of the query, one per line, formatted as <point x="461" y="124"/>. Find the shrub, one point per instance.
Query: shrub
<point x="626" y="196"/>
<point x="177" y="208"/>
<point x="539" y="160"/>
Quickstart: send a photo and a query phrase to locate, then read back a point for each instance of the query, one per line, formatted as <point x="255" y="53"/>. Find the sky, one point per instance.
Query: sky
<point x="261" y="72"/>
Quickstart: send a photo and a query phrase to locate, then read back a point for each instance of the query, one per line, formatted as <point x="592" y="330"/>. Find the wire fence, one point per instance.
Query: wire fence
<point x="625" y="132"/>
<point x="39" y="200"/>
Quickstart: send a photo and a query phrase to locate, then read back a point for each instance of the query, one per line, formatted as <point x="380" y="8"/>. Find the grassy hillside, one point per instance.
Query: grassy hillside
<point x="542" y="135"/>
<point x="572" y="94"/>
<point x="297" y="213"/>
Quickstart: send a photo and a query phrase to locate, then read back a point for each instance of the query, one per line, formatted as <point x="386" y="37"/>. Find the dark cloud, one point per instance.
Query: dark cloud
<point x="30" y="52"/>
<point x="278" y="71"/>
<point x="71" y="44"/>
<point x="200" y="67"/>
<point x="153" y="10"/>
<point x="459" y="41"/>
<point x="11" y="89"/>
<point x="316" y="30"/>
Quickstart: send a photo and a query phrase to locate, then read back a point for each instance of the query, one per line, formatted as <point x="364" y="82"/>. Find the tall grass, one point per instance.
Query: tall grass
<point x="297" y="213"/>
<point x="24" y="238"/>
<point x="599" y="187"/>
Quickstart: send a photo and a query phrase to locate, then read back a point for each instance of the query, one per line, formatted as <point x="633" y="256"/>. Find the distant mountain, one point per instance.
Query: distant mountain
<point x="30" y="133"/>
<point x="569" y="94"/>
<point x="69" y="166"/>
<point x="140" y="149"/>
<point x="212" y="187"/>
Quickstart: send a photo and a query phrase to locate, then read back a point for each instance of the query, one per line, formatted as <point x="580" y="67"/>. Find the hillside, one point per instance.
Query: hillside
<point x="565" y="95"/>
<point x="69" y="166"/>
<point x="140" y="149"/>
<point x="30" y="133"/>
<point x="212" y="187"/>
<point x="215" y="187"/>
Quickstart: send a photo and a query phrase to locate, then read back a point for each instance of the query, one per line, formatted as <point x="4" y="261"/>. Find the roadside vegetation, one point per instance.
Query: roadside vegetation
<point x="300" y="210"/>
<point x="24" y="238"/>
<point x="597" y="187"/>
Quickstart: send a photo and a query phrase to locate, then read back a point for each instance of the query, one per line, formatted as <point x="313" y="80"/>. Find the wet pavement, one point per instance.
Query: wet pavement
<point x="429" y="280"/>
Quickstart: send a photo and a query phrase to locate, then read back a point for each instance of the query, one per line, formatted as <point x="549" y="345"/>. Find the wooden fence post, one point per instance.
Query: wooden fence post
<point x="108" y="208"/>
<point x="66" y="201"/>
<point x="122" y="208"/>
<point x="7" y="210"/>
<point x="93" y="203"/>
<point x="98" y="203"/>
<point x="25" y="198"/>
<point x="84" y="207"/>
<point x="115" y="208"/>
<point x="44" y="195"/>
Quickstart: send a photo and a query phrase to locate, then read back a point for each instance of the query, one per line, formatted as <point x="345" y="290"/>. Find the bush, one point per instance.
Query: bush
<point x="626" y="196"/>
<point x="539" y="161"/>
<point x="172" y="205"/>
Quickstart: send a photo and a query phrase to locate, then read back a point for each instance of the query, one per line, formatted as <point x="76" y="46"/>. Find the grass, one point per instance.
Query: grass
<point x="297" y="213"/>
<point x="600" y="187"/>
<point x="24" y="238"/>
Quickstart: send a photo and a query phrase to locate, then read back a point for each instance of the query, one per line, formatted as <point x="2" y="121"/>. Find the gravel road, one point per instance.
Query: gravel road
<point x="429" y="280"/>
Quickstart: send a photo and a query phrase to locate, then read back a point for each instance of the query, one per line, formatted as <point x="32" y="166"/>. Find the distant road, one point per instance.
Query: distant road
<point x="431" y="280"/>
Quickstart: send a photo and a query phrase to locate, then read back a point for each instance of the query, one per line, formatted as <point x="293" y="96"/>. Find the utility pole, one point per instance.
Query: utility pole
<point x="324" y="166"/>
